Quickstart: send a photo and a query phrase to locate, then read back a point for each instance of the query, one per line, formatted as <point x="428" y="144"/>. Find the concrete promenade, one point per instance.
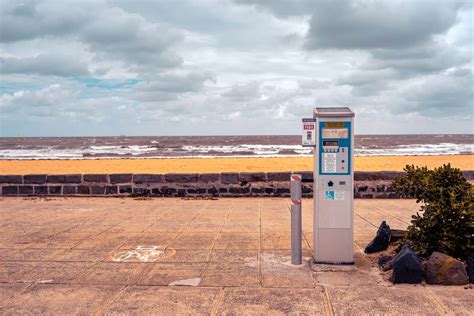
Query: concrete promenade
<point x="120" y="255"/>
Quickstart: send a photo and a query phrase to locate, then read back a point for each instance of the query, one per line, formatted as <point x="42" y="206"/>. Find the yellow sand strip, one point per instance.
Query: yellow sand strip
<point x="210" y="165"/>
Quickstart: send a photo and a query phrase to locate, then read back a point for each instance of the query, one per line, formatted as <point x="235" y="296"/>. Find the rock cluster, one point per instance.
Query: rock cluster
<point x="381" y="240"/>
<point x="445" y="270"/>
<point x="407" y="267"/>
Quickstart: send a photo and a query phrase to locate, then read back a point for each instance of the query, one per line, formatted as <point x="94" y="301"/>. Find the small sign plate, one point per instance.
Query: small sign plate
<point x="309" y="132"/>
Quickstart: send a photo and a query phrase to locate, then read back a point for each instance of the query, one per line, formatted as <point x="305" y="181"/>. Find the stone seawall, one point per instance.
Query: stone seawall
<point x="367" y="184"/>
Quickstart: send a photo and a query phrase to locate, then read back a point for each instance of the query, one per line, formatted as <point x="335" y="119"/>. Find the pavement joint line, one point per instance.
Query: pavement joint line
<point x="218" y="301"/>
<point x="186" y="226"/>
<point x="145" y="271"/>
<point x="90" y="238"/>
<point x="208" y="257"/>
<point x="327" y="303"/>
<point x="100" y="310"/>
<point x="358" y="246"/>
<point x="366" y="220"/>
<point x="10" y="298"/>
<point x="439" y="306"/>
<point x="382" y="212"/>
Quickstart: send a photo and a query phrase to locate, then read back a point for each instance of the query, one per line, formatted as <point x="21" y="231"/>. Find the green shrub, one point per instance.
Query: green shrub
<point x="447" y="220"/>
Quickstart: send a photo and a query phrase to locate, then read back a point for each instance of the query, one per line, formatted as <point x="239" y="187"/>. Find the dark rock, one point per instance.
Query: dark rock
<point x="101" y="178"/>
<point x="147" y="178"/>
<point x="235" y="190"/>
<point x="375" y="175"/>
<point x="380" y="188"/>
<point x="407" y="267"/>
<point x="245" y="190"/>
<point x="209" y="177"/>
<point x="25" y="189"/>
<point x="11" y="179"/>
<point x="120" y="178"/>
<point x="168" y="191"/>
<point x="41" y="189"/>
<point x="445" y="270"/>
<point x="470" y="267"/>
<point x="125" y="189"/>
<point x="381" y="240"/>
<point x="181" y="192"/>
<point x="282" y="191"/>
<point x="385" y="262"/>
<point x="397" y="234"/>
<point x="55" y="189"/>
<point x="35" y="178"/>
<point x="257" y="190"/>
<point x="229" y="178"/>
<point x="363" y="188"/>
<point x="10" y="190"/>
<point x="367" y="196"/>
<point x="306" y="189"/>
<point x="83" y="189"/>
<point x="252" y="177"/>
<point x="269" y="190"/>
<point x="156" y="192"/>
<point x="69" y="189"/>
<point x="97" y="189"/>
<point x="111" y="189"/>
<point x="64" y="178"/>
<point x="141" y="191"/>
<point x="212" y="191"/>
<point x="181" y="177"/>
<point x="306" y="176"/>
<point x="278" y="176"/>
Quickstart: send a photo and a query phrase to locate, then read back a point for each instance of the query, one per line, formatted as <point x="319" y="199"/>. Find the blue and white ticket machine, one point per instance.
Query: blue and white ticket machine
<point x="333" y="223"/>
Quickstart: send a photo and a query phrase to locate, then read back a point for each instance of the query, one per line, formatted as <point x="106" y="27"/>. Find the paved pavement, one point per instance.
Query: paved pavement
<point x="118" y="256"/>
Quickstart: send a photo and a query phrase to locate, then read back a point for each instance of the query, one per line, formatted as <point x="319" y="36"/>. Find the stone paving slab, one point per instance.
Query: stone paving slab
<point x="119" y="256"/>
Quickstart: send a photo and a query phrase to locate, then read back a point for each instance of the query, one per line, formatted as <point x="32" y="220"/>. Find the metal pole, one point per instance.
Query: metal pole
<point x="295" y="191"/>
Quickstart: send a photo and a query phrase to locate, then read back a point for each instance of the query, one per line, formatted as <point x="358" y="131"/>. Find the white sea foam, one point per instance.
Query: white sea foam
<point x="243" y="150"/>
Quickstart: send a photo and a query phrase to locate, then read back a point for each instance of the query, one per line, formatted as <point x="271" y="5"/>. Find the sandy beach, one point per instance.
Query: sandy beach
<point x="215" y="165"/>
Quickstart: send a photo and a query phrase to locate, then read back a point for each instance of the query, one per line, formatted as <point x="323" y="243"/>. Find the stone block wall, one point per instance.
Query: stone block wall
<point x="231" y="184"/>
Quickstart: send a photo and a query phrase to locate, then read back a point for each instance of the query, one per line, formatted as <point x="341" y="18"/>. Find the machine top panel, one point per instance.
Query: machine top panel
<point x="333" y="112"/>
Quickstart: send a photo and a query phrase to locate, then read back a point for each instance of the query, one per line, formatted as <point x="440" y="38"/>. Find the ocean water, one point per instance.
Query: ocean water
<point x="222" y="146"/>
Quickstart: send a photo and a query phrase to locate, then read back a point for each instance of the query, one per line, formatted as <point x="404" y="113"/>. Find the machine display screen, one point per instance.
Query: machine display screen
<point x="335" y="133"/>
<point x="330" y="143"/>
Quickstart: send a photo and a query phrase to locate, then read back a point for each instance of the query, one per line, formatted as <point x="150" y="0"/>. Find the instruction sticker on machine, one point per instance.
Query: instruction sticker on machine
<point x="309" y="132"/>
<point x="334" y="195"/>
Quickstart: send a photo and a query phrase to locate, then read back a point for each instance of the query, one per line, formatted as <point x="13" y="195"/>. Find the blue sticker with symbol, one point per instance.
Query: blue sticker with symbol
<point x="329" y="195"/>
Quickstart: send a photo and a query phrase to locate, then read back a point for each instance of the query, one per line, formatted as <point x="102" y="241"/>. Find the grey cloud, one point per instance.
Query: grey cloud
<point x="282" y="8"/>
<point x="170" y="85"/>
<point x="110" y="33"/>
<point x="131" y="38"/>
<point x="429" y="58"/>
<point x="30" y="19"/>
<point x="369" y="82"/>
<point x="378" y="24"/>
<point x="450" y="94"/>
<point x="54" y="65"/>
<point x="243" y="92"/>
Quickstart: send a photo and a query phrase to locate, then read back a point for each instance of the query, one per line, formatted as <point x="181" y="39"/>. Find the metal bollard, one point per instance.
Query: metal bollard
<point x="295" y="191"/>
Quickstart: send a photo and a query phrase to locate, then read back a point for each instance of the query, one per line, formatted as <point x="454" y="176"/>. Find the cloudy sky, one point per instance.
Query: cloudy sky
<point x="198" y="67"/>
